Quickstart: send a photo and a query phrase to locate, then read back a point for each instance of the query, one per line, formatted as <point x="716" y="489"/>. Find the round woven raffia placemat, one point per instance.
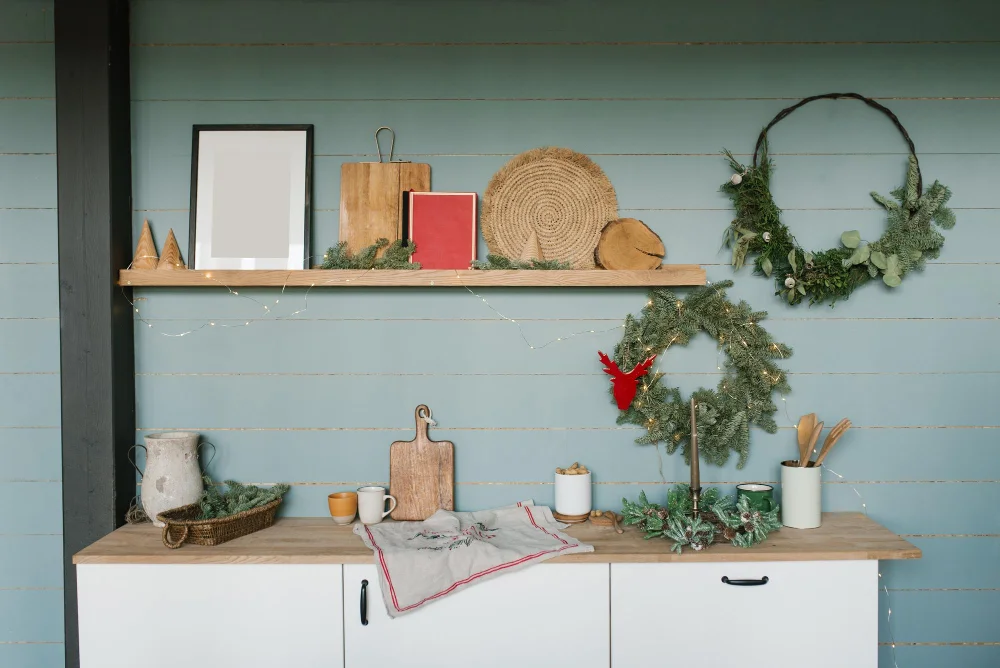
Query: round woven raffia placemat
<point x="559" y="195"/>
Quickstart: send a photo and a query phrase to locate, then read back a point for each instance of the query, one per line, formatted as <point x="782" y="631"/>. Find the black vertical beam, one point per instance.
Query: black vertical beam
<point x="95" y="237"/>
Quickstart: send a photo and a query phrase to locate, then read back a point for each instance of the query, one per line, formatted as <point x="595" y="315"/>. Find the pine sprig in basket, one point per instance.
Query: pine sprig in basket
<point x="237" y="498"/>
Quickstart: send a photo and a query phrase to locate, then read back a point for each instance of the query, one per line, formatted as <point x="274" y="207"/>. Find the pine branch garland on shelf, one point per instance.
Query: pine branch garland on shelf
<point x="743" y="396"/>
<point x="494" y="261"/>
<point x="396" y="256"/>
<point x="236" y="498"/>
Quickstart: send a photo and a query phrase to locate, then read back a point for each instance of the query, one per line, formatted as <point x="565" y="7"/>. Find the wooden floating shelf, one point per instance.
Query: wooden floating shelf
<point x="667" y="275"/>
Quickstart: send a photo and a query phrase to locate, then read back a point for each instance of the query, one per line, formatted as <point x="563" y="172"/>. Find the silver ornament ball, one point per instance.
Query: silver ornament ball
<point x="789" y="282"/>
<point x="736" y="179"/>
<point x="767" y="236"/>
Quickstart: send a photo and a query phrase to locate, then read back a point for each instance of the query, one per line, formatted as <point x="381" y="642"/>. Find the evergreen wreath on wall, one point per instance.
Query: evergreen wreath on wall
<point x="743" y="396"/>
<point x="826" y="276"/>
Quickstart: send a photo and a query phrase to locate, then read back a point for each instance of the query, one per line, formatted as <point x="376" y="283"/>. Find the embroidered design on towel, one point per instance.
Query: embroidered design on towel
<point x="456" y="539"/>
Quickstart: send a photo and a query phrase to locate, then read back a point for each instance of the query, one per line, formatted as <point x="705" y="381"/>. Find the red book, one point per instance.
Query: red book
<point x="443" y="226"/>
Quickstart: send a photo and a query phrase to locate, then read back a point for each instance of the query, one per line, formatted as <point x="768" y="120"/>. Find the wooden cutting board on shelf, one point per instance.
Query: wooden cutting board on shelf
<point x="421" y="473"/>
<point x="372" y="196"/>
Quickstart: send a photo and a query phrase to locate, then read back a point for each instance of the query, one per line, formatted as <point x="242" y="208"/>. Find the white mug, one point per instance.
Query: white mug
<point x="371" y="504"/>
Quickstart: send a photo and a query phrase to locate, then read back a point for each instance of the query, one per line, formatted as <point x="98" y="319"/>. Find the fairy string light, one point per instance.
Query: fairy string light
<point x="269" y="315"/>
<point x="881" y="583"/>
<point x="729" y="335"/>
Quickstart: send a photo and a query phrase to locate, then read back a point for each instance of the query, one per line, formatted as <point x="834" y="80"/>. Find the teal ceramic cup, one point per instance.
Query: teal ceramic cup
<point x="761" y="496"/>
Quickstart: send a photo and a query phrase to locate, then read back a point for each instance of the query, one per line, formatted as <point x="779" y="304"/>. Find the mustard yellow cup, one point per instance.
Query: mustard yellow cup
<point x="343" y="506"/>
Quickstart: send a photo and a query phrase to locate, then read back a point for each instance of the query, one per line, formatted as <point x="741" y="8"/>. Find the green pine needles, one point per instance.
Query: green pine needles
<point x="743" y="396"/>
<point x="826" y="276"/>
<point x="217" y="503"/>
<point x="725" y="518"/>
<point x="495" y="261"/>
<point x="396" y="256"/>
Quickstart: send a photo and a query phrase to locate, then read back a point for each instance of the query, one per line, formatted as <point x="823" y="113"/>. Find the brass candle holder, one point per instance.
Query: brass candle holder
<point x="695" y="470"/>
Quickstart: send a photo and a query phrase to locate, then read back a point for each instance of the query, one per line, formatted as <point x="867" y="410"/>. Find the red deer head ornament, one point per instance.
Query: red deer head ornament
<point x="624" y="384"/>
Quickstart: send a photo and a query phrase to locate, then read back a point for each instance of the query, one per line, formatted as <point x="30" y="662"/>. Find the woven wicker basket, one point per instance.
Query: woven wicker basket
<point x="183" y="526"/>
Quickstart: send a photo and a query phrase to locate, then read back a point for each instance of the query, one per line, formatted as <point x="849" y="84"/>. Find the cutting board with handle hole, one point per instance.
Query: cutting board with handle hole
<point x="372" y="201"/>
<point x="421" y="473"/>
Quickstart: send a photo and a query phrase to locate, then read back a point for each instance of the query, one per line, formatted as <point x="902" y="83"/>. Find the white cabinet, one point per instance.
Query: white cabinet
<point x="207" y="616"/>
<point x="548" y="615"/>
<point x="821" y="614"/>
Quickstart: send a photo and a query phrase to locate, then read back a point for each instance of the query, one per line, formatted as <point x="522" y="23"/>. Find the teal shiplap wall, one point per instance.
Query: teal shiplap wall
<point x="31" y="597"/>
<point x="652" y="91"/>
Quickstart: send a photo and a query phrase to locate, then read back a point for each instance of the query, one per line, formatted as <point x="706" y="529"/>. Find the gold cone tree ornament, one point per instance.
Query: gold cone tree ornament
<point x="170" y="259"/>
<point x="145" y="250"/>
<point x="532" y="249"/>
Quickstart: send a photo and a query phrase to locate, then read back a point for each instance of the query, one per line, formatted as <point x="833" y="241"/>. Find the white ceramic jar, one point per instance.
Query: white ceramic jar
<point x="172" y="477"/>
<point x="573" y="494"/>
<point x="801" y="496"/>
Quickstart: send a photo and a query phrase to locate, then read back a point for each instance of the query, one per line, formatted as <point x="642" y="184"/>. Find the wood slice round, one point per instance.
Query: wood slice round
<point x="559" y="196"/>
<point x="571" y="519"/>
<point x="628" y="243"/>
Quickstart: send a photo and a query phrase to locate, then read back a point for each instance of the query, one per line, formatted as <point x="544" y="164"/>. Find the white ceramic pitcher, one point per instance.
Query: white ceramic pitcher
<point x="172" y="477"/>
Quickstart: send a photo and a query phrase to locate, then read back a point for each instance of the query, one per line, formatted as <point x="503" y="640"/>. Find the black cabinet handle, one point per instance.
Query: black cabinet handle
<point x="364" y="603"/>
<point x="745" y="583"/>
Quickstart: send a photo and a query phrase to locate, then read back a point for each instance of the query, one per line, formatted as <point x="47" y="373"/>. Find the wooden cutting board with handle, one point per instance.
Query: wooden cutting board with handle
<point x="371" y="197"/>
<point x="421" y="473"/>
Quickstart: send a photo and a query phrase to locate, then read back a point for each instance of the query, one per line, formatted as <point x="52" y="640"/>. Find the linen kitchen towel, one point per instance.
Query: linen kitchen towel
<point x="420" y="562"/>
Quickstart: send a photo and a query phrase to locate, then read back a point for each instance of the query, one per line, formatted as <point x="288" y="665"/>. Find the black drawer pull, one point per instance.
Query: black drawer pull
<point x="364" y="603"/>
<point x="745" y="583"/>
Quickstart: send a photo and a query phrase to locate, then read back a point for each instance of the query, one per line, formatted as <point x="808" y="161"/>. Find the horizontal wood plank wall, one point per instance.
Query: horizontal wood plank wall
<point x="31" y="597"/>
<point x="314" y="391"/>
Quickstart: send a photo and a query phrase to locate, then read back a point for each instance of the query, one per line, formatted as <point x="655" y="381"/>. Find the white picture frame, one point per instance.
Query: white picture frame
<point x="251" y="192"/>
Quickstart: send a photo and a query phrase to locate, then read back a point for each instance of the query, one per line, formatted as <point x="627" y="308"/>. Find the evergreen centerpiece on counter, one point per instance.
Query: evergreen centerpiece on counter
<point x="725" y="519"/>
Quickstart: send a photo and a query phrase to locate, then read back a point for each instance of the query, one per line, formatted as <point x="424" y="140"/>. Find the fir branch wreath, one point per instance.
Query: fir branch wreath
<point x="909" y="240"/>
<point x="743" y="396"/>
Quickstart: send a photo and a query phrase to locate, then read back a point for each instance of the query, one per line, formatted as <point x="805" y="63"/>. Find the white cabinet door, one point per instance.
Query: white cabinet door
<point x="207" y="616"/>
<point x="547" y="615"/>
<point x="821" y="614"/>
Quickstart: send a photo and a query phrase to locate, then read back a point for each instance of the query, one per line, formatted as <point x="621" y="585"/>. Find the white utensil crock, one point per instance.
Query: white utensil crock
<point x="801" y="498"/>
<point x="573" y="495"/>
<point x="172" y="477"/>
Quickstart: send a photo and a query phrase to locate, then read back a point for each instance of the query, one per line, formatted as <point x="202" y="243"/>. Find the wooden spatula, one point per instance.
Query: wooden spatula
<point x="817" y="430"/>
<point x="832" y="438"/>
<point x="805" y="428"/>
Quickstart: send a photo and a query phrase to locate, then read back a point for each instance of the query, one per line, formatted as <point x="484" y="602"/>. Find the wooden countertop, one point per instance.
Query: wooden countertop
<point x="317" y="540"/>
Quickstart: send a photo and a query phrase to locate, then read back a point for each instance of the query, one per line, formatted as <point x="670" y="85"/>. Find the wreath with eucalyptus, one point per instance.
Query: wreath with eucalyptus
<point x="909" y="240"/>
<point x="744" y="394"/>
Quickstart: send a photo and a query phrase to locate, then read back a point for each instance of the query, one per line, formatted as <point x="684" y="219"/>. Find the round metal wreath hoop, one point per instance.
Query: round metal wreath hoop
<point x="744" y="395"/>
<point x="826" y="276"/>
